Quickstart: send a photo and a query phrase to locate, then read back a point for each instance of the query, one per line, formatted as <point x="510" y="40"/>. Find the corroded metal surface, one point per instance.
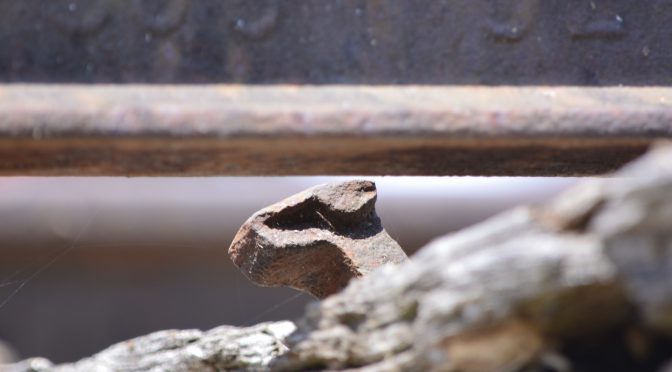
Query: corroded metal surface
<point x="284" y="130"/>
<point x="317" y="240"/>
<point x="601" y="42"/>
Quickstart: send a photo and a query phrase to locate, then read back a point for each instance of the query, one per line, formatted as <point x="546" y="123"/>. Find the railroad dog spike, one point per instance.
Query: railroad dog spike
<point x="317" y="240"/>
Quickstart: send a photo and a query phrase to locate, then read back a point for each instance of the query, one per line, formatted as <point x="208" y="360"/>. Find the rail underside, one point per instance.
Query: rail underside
<point x="208" y="130"/>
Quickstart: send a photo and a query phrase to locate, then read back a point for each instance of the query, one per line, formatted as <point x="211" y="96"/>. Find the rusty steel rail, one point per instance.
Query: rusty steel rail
<point x="140" y="130"/>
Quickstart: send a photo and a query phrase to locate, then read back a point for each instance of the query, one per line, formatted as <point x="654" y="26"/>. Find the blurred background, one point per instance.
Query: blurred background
<point x="87" y="262"/>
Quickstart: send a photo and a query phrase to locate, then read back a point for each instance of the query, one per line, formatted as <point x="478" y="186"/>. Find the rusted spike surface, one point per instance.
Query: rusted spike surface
<point x="317" y="240"/>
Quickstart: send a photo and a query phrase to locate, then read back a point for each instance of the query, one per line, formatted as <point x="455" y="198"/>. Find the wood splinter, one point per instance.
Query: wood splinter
<point x="317" y="240"/>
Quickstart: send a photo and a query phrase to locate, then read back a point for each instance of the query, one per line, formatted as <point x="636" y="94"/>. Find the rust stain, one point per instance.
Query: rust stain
<point x="503" y="347"/>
